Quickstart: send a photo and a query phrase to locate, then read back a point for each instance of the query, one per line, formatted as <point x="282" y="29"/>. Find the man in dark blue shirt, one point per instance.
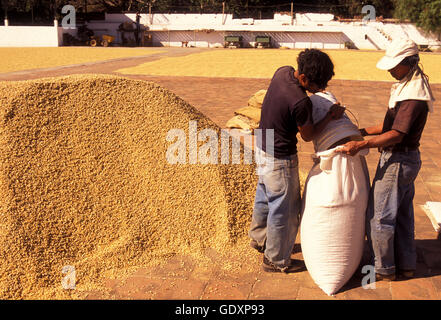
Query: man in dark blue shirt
<point x="286" y="110"/>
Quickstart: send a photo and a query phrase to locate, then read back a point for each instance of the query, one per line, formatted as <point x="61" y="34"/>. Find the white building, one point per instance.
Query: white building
<point x="309" y="30"/>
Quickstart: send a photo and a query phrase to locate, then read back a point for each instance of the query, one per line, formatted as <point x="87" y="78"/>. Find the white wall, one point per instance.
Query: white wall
<point x="326" y="33"/>
<point x="298" y="40"/>
<point x="309" y="30"/>
<point x="196" y="39"/>
<point x="356" y="34"/>
<point x="29" y="36"/>
<point x="408" y="30"/>
<point x="167" y="19"/>
<point x="313" y="18"/>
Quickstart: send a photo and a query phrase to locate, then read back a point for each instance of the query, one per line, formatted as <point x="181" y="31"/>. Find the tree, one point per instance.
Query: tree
<point x="43" y="10"/>
<point x="353" y="8"/>
<point x="426" y="14"/>
<point x="430" y="18"/>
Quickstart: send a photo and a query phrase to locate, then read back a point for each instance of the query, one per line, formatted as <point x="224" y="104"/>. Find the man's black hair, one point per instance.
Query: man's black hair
<point x="411" y="61"/>
<point x="316" y="66"/>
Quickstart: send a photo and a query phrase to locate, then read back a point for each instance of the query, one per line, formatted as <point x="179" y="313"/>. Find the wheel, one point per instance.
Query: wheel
<point x="93" y="43"/>
<point x="105" y="43"/>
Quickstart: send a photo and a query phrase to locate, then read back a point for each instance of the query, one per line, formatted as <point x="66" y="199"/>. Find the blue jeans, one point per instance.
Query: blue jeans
<point x="390" y="216"/>
<point x="277" y="207"/>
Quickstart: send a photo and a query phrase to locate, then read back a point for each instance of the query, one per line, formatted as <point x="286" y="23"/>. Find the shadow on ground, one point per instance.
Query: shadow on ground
<point x="428" y="263"/>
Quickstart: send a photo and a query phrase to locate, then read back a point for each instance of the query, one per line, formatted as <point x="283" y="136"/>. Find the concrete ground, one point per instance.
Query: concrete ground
<point x="182" y="278"/>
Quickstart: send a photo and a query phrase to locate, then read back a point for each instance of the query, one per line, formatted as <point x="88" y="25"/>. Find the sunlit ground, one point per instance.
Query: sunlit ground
<point x="261" y="63"/>
<point x="18" y="59"/>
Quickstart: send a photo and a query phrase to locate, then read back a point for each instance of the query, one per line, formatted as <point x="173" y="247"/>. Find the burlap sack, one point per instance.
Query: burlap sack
<point x="257" y="99"/>
<point x="249" y="112"/>
<point x="241" y="122"/>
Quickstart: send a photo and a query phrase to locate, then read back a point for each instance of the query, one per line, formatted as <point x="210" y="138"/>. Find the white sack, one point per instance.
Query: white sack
<point x="333" y="220"/>
<point x="433" y="211"/>
<point x="334" y="130"/>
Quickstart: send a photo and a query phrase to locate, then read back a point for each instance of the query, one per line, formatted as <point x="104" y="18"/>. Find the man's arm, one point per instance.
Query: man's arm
<point x="407" y="114"/>
<point x="371" y="131"/>
<point x="308" y="131"/>
<point x="383" y="140"/>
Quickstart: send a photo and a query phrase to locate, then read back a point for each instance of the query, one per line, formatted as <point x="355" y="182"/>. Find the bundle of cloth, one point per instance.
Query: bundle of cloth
<point x="247" y="118"/>
<point x="334" y="202"/>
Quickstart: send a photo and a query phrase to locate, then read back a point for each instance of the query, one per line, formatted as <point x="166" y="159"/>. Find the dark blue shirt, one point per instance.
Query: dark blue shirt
<point x="285" y="108"/>
<point x="408" y="117"/>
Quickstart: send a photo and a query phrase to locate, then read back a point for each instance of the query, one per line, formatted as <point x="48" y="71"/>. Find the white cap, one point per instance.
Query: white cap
<point x="396" y="52"/>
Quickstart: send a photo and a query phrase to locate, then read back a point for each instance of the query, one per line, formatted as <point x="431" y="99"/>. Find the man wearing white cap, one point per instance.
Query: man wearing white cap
<point x="390" y="215"/>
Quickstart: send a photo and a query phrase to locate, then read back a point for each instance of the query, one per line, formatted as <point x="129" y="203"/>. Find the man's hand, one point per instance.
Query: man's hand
<point x="309" y="131"/>
<point x="352" y="147"/>
<point x="336" y="111"/>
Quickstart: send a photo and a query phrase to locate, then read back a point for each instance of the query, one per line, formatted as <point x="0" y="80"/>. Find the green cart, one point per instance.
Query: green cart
<point x="262" y="42"/>
<point x="232" y="42"/>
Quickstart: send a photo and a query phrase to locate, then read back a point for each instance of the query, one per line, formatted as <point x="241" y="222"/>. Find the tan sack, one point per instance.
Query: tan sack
<point x="241" y="122"/>
<point x="257" y="99"/>
<point x="249" y="112"/>
<point x="260" y="95"/>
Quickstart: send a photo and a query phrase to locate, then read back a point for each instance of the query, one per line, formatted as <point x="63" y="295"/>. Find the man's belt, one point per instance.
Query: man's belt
<point x="398" y="149"/>
<point x="340" y="142"/>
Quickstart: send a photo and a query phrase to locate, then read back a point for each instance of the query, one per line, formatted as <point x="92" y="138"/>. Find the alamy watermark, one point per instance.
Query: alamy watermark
<point x="69" y="20"/>
<point x="68" y="282"/>
<point x="370" y="14"/>
<point x="368" y="281"/>
<point x="215" y="147"/>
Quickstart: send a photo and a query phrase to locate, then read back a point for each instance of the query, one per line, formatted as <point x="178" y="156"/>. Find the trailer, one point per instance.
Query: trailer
<point x="233" y="42"/>
<point x="262" y="42"/>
